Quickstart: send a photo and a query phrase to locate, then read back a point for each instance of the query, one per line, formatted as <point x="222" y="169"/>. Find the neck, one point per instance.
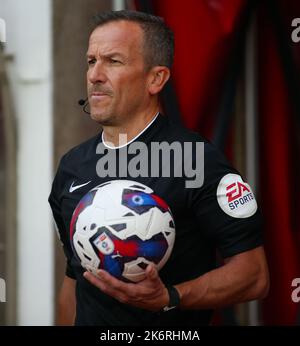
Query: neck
<point x="125" y="132"/>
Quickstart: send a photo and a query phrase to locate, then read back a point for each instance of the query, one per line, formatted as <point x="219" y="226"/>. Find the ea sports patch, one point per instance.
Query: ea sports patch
<point x="235" y="197"/>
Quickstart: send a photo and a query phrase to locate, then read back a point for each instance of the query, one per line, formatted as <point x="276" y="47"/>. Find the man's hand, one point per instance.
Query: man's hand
<point x="150" y="293"/>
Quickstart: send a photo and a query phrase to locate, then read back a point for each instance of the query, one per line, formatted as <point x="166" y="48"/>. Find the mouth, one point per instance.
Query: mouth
<point x="98" y="96"/>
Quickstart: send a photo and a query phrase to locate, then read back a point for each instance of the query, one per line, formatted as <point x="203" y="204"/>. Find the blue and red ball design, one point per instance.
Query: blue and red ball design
<point x="129" y="249"/>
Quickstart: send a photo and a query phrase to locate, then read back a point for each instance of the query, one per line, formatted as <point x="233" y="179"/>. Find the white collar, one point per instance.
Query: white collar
<point x="133" y="139"/>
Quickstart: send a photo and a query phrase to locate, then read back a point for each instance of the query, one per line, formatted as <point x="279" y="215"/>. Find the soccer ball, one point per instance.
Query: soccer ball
<point x="121" y="226"/>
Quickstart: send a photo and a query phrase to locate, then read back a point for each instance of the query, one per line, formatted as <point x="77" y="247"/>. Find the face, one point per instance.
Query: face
<point x="116" y="76"/>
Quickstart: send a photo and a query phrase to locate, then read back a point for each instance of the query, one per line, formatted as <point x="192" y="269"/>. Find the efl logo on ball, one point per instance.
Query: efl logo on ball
<point x="104" y="244"/>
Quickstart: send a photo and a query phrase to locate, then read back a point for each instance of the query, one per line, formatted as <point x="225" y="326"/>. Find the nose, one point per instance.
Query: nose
<point x="96" y="73"/>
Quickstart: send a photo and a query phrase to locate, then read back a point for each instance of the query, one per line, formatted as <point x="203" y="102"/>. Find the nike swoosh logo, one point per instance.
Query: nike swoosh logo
<point x="167" y="308"/>
<point x="76" y="187"/>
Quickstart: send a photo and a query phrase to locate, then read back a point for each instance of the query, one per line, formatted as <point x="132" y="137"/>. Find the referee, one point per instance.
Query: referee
<point x="129" y="59"/>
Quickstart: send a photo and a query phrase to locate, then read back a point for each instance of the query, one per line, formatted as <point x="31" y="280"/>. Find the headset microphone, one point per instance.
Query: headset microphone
<point x="84" y="103"/>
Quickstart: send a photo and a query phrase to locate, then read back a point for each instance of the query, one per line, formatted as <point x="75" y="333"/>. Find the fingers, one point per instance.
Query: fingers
<point x="151" y="272"/>
<point x="114" y="282"/>
<point x="112" y="286"/>
<point x="93" y="280"/>
<point x="108" y="284"/>
<point x="143" y="294"/>
<point x="107" y="288"/>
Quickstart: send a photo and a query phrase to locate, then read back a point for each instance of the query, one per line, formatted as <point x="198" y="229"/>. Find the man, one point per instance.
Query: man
<point x="129" y="59"/>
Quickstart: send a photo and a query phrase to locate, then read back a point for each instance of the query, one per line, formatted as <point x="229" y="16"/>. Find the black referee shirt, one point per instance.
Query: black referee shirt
<point x="219" y="215"/>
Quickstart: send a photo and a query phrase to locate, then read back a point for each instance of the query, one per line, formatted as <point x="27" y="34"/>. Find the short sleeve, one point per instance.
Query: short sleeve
<point x="225" y="207"/>
<point x="54" y="201"/>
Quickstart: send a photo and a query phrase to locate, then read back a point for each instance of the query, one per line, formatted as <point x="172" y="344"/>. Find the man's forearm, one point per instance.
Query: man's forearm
<point x="66" y="303"/>
<point x="242" y="278"/>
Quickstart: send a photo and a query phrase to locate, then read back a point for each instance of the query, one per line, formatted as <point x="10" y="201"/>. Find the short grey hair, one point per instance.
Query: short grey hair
<point x="158" y="42"/>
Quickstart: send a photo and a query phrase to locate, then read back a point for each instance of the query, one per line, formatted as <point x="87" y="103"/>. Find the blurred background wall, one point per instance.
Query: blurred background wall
<point x="235" y="80"/>
<point x="27" y="97"/>
<point x="42" y="78"/>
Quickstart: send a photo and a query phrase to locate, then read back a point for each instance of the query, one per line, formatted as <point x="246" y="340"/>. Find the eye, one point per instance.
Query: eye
<point x="114" y="61"/>
<point x="91" y="61"/>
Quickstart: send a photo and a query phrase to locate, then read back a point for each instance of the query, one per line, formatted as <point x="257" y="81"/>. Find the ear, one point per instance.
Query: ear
<point x="158" y="77"/>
